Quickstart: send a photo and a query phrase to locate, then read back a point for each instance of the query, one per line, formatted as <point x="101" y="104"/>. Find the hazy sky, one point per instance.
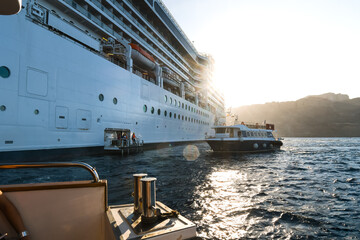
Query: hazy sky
<point x="276" y="50"/>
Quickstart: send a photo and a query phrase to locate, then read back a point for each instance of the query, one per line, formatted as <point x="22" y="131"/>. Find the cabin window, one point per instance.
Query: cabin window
<point x="165" y="98"/>
<point x="270" y="135"/>
<point x="101" y="97"/>
<point x="115" y="101"/>
<point x="159" y="111"/>
<point x="4" y="72"/>
<point x="243" y="133"/>
<point x="175" y="115"/>
<point x="182" y="105"/>
<point x="2" y="108"/>
<point x="170" y="100"/>
<point x="36" y="112"/>
<point x="220" y="130"/>
<point x="145" y="108"/>
<point x="175" y="103"/>
<point x="239" y="133"/>
<point x="170" y="114"/>
<point x="152" y="110"/>
<point x="165" y="113"/>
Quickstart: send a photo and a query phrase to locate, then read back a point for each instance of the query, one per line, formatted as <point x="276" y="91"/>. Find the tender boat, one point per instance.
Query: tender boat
<point x="244" y="138"/>
<point x="79" y="209"/>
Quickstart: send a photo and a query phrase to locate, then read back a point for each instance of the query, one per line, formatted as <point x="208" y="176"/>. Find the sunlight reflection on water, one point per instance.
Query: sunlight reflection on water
<point x="308" y="190"/>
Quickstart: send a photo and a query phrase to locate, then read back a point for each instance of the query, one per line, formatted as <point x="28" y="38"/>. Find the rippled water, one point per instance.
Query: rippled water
<point x="309" y="189"/>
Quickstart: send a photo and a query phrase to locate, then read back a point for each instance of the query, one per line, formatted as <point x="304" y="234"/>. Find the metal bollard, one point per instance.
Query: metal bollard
<point x="148" y="200"/>
<point x="137" y="192"/>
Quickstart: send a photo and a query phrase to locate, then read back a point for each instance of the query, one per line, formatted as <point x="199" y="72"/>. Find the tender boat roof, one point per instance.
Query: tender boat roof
<point x="242" y="127"/>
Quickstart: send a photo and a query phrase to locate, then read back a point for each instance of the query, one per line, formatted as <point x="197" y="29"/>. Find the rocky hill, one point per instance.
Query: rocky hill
<point x="327" y="115"/>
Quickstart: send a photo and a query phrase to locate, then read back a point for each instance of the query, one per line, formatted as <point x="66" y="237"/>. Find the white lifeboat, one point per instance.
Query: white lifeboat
<point x="142" y="58"/>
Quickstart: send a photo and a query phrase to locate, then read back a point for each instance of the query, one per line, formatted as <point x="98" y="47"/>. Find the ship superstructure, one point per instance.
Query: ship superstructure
<point x="71" y="69"/>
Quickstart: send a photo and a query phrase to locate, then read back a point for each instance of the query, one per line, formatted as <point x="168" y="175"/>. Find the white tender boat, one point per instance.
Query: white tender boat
<point x="244" y="138"/>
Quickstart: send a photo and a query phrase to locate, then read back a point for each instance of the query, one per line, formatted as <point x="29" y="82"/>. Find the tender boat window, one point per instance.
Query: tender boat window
<point x="220" y="130"/>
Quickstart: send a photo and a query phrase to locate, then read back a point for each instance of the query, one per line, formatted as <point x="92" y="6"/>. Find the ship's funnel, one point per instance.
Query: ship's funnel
<point x="137" y="192"/>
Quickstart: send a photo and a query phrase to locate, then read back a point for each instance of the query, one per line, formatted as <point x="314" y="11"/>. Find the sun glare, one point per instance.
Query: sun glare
<point x="268" y="51"/>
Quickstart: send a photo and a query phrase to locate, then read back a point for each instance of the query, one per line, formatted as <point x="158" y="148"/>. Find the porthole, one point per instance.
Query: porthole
<point x="4" y="72"/>
<point x="3" y="108"/>
<point x="175" y="102"/>
<point x="159" y="111"/>
<point x="165" y="113"/>
<point x="145" y="108"/>
<point x="152" y="110"/>
<point x="179" y="104"/>
<point x="115" y="101"/>
<point x="36" y="112"/>
<point x="170" y="114"/>
<point x="101" y="97"/>
<point x="165" y="98"/>
<point x="175" y="115"/>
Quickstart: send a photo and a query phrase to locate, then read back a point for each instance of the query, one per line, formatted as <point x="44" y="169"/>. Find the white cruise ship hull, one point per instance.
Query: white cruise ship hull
<point x="52" y="98"/>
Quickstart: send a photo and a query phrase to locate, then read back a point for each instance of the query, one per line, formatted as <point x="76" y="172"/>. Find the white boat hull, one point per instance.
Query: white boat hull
<point x="52" y="96"/>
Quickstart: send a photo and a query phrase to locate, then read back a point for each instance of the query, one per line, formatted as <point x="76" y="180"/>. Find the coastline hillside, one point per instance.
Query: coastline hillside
<point x="326" y="115"/>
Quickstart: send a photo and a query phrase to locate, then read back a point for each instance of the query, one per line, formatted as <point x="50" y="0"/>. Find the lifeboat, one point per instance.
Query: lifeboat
<point x="171" y="82"/>
<point x="142" y="58"/>
<point x="170" y="77"/>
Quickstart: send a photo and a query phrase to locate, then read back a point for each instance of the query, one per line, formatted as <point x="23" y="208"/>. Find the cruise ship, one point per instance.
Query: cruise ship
<point x="73" y="71"/>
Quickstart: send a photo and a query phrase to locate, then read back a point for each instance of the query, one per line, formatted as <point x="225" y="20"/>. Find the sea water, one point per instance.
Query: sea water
<point x="308" y="189"/>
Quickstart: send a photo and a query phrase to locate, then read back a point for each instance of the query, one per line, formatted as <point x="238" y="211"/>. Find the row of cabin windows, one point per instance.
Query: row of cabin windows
<point x="175" y="116"/>
<point x="244" y="133"/>
<point x="254" y="134"/>
<point x="176" y="103"/>
<point x="184" y="106"/>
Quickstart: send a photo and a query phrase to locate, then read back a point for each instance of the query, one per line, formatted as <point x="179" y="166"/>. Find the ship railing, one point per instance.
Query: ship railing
<point x="150" y="35"/>
<point x="255" y="125"/>
<point x="118" y="22"/>
<point x="83" y="165"/>
<point x="134" y="21"/>
<point x="177" y="26"/>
